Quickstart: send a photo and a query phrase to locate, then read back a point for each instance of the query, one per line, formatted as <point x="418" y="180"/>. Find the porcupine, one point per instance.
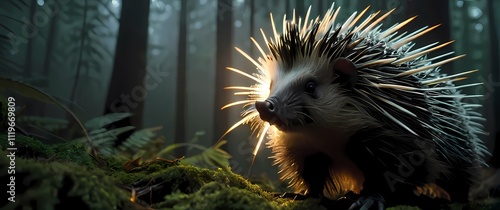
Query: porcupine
<point x="352" y="107"/>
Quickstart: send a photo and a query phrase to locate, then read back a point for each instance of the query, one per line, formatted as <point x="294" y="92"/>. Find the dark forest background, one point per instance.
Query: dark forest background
<point x="164" y="60"/>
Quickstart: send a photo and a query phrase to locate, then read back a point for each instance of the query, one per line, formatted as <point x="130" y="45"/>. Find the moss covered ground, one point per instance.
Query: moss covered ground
<point x="65" y="176"/>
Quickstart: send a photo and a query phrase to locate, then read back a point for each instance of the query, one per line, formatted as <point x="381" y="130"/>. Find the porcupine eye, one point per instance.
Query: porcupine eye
<point x="310" y="88"/>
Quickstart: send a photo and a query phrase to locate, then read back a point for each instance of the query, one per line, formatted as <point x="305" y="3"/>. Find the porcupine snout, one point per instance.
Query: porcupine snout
<point x="268" y="111"/>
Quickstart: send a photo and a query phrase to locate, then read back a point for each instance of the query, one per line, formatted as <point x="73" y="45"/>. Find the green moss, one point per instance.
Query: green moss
<point x="56" y="185"/>
<point x="125" y="178"/>
<point x="290" y="204"/>
<point x="158" y="165"/>
<point x="35" y="190"/>
<point x="74" y="152"/>
<point x="116" y="168"/>
<point x="189" y="179"/>
<point x="27" y="147"/>
<point x="189" y="187"/>
<point x="65" y="176"/>
<point x="115" y="163"/>
<point x="96" y="189"/>
<point x="215" y="195"/>
<point x="404" y="208"/>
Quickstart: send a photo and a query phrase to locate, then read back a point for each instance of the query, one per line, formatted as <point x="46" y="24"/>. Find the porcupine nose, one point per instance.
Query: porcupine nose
<point x="266" y="109"/>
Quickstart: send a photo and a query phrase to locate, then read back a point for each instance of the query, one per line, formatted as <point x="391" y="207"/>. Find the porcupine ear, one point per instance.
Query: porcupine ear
<point x="347" y="71"/>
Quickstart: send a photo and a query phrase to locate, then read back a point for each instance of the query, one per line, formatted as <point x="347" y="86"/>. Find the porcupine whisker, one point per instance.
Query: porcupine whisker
<point x="312" y="107"/>
<point x="300" y="120"/>
<point x="307" y="116"/>
<point x="282" y="119"/>
<point x="292" y="103"/>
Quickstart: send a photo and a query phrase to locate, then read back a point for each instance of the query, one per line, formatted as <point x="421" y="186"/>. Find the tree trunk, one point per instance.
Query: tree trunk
<point x="29" y="47"/>
<point x="83" y="37"/>
<point x="50" y="47"/>
<point x="180" y="98"/>
<point x="126" y="89"/>
<point x="252" y="23"/>
<point x="34" y="108"/>
<point x="49" y="50"/>
<point x="224" y="53"/>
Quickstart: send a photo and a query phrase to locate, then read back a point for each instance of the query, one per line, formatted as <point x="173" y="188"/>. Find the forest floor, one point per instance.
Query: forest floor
<point x="65" y="176"/>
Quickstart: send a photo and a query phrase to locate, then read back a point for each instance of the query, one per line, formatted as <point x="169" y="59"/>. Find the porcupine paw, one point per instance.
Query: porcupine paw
<point x="371" y="201"/>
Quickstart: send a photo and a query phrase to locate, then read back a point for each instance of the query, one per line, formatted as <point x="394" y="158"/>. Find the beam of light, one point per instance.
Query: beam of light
<point x="276" y="36"/>
<point x="242" y="121"/>
<point x="237" y="103"/>
<point x="256" y="149"/>
<point x="261" y="138"/>
<point x="250" y="93"/>
<point x="246" y="75"/>
<point x="250" y="59"/>
<point x="242" y="88"/>
<point x="258" y="47"/>
<point x="265" y="38"/>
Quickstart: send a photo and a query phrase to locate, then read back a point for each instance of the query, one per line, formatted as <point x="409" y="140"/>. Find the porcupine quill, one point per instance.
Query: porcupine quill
<point x="352" y="107"/>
